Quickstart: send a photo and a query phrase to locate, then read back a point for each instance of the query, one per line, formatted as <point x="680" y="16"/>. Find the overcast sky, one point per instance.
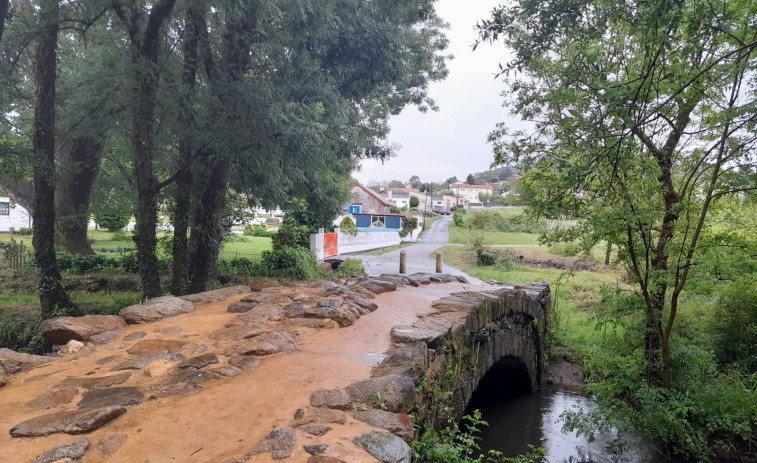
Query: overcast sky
<point x="452" y="141"/>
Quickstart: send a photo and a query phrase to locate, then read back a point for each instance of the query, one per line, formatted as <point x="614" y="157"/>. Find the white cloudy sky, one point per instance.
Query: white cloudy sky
<point x="452" y="141"/>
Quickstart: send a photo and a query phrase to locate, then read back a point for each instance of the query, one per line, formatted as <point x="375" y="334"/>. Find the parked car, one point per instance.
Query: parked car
<point x="441" y="211"/>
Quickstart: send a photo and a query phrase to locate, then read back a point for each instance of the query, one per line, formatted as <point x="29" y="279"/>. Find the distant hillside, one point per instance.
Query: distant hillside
<point x="495" y="175"/>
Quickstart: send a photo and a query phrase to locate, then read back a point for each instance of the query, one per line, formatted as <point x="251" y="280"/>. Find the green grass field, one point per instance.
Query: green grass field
<point x="459" y="235"/>
<point x="574" y="296"/>
<point x="245" y="246"/>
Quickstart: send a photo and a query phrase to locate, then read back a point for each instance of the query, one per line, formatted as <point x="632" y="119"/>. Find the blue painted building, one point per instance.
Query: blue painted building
<point x="378" y="222"/>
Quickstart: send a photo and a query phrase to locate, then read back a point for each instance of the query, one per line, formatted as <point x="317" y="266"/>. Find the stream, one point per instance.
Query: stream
<point x="517" y="420"/>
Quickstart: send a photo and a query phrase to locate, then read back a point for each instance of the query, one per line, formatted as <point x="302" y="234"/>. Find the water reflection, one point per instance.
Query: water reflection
<point x="520" y="420"/>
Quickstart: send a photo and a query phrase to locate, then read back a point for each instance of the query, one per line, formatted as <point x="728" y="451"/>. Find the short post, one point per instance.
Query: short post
<point x="438" y="261"/>
<point x="469" y="229"/>
<point x="403" y="262"/>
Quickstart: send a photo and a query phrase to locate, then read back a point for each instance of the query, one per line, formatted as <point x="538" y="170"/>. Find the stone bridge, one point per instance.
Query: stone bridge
<point x="343" y="370"/>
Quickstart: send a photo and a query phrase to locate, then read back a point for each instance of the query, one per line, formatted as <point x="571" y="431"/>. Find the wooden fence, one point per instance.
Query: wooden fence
<point x="12" y="254"/>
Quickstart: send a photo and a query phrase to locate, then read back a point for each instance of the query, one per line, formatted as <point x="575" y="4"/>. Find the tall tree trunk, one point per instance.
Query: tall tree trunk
<point x="211" y="179"/>
<point x="52" y="295"/>
<point x="147" y="211"/>
<point x="145" y="47"/>
<point x="4" y="4"/>
<point x="608" y="253"/>
<point x="195" y="23"/>
<point x="79" y="168"/>
<point x="207" y="230"/>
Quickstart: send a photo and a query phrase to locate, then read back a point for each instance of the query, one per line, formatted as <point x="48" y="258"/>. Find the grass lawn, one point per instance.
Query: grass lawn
<point x="574" y="297"/>
<point x="459" y="235"/>
<point x="249" y="247"/>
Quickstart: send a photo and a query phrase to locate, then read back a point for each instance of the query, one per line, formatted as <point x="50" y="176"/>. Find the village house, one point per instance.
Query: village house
<point x="469" y="193"/>
<point x="363" y="200"/>
<point x="13" y="216"/>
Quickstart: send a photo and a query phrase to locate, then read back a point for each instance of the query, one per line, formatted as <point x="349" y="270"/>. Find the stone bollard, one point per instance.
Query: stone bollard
<point x="403" y="262"/>
<point x="438" y="261"/>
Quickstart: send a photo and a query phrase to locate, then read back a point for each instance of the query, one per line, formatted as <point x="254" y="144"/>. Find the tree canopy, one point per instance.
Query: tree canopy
<point x="642" y="116"/>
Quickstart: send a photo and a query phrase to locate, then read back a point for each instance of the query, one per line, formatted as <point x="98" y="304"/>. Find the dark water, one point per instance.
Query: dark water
<point x="515" y="421"/>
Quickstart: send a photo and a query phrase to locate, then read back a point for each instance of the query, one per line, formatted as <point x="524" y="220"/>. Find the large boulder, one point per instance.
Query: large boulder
<point x="69" y="422"/>
<point x="13" y="362"/>
<point x="385" y="447"/>
<point x="60" y="330"/>
<point x="155" y="309"/>
<point x="393" y="393"/>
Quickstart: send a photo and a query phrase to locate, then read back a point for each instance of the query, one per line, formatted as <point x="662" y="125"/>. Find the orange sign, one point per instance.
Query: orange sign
<point x="330" y="244"/>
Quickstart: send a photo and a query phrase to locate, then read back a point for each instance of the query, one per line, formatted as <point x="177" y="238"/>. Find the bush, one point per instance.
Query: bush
<point x="26" y="231"/>
<point x="120" y="235"/>
<point x="350" y="268"/>
<point x="291" y="236"/>
<point x="256" y="230"/>
<point x="458" y="218"/>
<point x="346" y="224"/>
<point x="289" y="262"/>
<point x="113" y="222"/>
<point x="238" y="266"/>
<point x="81" y="264"/>
<point x="22" y="335"/>
<point x="410" y="225"/>
<point x="734" y="325"/>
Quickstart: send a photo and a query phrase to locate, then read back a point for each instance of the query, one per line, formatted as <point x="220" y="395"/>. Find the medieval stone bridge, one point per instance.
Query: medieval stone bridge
<point x="328" y="371"/>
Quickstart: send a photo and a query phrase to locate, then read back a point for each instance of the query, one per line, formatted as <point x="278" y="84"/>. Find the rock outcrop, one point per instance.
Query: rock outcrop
<point x="155" y="309"/>
<point x="60" y="330"/>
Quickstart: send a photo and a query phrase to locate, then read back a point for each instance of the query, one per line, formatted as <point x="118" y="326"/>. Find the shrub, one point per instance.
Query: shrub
<point x="346" y="224"/>
<point x="22" y="335"/>
<point x="410" y="225"/>
<point x="112" y="222"/>
<point x="26" y="231"/>
<point x="457" y="217"/>
<point x="291" y="236"/>
<point x="734" y="325"/>
<point x="81" y="264"/>
<point x="256" y="230"/>
<point x="350" y="268"/>
<point x="289" y="262"/>
<point x="120" y="235"/>
<point x="238" y="266"/>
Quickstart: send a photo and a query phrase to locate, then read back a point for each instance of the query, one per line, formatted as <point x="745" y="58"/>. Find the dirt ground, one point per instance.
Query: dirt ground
<point x="229" y="416"/>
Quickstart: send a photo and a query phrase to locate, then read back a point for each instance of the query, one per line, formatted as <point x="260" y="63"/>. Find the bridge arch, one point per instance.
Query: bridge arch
<point x="499" y="333"/>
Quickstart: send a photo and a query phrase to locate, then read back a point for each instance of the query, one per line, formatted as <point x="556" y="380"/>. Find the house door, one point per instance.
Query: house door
<point x="330" y="244"/>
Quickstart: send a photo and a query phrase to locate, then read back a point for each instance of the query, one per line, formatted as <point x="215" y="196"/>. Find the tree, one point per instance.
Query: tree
<point x="484" y="197"/>
<point x="415" y="181"/>
<point x="470" y="180"/>
<point x="644" y="118"/>
<point x="145" y="27"/>
<point x="414" y="202"/>
<point x="52" y="295"/>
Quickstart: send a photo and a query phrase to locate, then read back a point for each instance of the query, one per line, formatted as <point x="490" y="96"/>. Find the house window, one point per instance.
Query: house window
<point x="354" y="209"/>
<point x="5" y="208"/>
<point x="378" y="221"/>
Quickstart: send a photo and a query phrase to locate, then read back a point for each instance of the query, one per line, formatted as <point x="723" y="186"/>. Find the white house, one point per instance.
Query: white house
<point x="13" y="216"/>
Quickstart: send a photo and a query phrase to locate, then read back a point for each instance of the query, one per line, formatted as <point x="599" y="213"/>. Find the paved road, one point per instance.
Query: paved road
<point x="418" y="259"/>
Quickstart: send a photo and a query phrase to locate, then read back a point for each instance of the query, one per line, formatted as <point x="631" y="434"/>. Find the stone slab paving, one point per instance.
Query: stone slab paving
<point x="288" y="379"/>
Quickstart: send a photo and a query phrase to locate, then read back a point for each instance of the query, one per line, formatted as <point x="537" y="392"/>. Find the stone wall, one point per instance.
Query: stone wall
<point x="370" y="204"/>
<point x="467" y="334"/>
